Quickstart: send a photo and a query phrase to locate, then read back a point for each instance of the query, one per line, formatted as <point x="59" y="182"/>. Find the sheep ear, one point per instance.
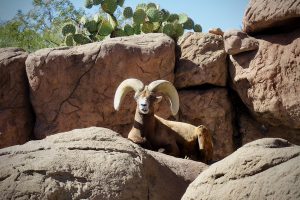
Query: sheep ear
<point x="125" y="87"/>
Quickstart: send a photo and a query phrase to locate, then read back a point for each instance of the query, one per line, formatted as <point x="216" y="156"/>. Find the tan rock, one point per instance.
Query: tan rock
<point x="202" y="60"/>
<point x="261" y="15"/>
<point x="236" y="41"/>
<point x="74" y="87"/>
<point x="213" y="109"/>
<point x="263" y="169"/>
<point x="15" y="111"/>
<point x="268" y="80"/>
<point x="216" y="31"/>
<point x="91" y="163"/>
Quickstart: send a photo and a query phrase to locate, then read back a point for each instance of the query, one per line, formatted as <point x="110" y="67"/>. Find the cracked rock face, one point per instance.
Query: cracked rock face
<point x="202" y="60"/>
<point x="16" y="119"/>
<point x="74" y="87"/>
<point x="263" y="169"/>
<point x="266" y="14"/>
<point x="213" y="109"/>
<point x="268" y="80"/>
<point x="92" y="163"/>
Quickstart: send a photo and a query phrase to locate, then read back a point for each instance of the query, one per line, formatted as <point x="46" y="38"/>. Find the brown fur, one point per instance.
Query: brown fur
<point x="175" y="138"/>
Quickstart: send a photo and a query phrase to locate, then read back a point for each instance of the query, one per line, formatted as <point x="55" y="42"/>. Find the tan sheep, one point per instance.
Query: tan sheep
<point x="153" y="132"/>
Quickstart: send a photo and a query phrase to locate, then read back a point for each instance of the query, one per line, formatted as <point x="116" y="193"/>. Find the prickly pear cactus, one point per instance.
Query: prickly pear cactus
<point x="145" y="18"/>
<point x="189" y="24"/>
<point x="154" y="15"/>
<point x="69" y="40"/>
<point x="129" y="30"/>
<point x="197" y="28"/>
<point x="128" y="13"/>
<point x="68" y="28"/>
<point x="92" y="26"/>
<point x="139" y="16"/>
<point x="81" y="39"/>
<point x="109" y="6"/>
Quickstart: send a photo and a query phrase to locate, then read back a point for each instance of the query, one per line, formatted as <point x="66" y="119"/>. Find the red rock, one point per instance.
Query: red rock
<point x="268" y="80"/>
<point x="236" y="41"/>
<point x="202" y="60"/>
<point x="74" y="87"/>
<point x="16" y="118"/>
<point x="262" y="15"/>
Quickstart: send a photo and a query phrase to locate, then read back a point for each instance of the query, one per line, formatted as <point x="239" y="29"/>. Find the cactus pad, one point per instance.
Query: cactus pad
<point x="189" y="24"/>
<point x="91" y="26"/>
<point x="147" y="27"/>
<point x="139" y="16"/>
<point x="88" y="4"/>
<point x="166" y="14"/>
<point x="129" y="30"/>
<point x="178" y="30"/>
<point x="69" y="40"/>
<point x="168" y="29"/>
<point x="183" y="18"/>
<point x="142" y="6"/>
<point x="118" y="33"/>
<point x="197" y="28"/>
<point x="109" y="6"/>
<point x="151" y="5"/>
<point x="68" y="28"/>
<point x="154" y="15"/>
<point x="120" y="2"/>
<point x="105" y="28"/>
<point x="81" y="39"/>
<point x="127" y="13"/>
<point x="137" y="29"/>
<point x="173" y="18"/>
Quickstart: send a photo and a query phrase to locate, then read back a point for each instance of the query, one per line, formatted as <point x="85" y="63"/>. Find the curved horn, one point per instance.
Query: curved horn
<point x="169" y="90"/>
<point x="125" y="87"/>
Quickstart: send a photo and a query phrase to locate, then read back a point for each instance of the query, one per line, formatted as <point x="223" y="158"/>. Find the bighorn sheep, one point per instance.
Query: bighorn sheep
<point x="151" y="131"/>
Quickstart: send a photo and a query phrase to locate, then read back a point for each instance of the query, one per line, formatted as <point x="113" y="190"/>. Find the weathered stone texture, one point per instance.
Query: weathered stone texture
<point x="236" y="41"/>
<point x="16" y="118"/>
<point x="268" y="80"/>
<point x="264" y="169"/>
<point x="202" y="60"/>
<point x="91" y="163"/>
<point x="261" y="15"/>
<point x="74" y="87"/>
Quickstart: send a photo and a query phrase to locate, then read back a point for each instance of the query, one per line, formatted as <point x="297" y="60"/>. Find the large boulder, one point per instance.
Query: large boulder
<point x="213" y="109"/>
<point x="16" y="119"/>
<point x="263" y="169"/>
<point x="201" y="60"/>
<point x="268" y="80"/>
<point x="262" y="15"/>
<point x="91" y="163"/>
<point x="73" y="87"/>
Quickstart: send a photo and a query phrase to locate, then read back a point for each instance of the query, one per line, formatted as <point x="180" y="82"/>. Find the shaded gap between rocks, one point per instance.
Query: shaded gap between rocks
<point x="203" y="87"/>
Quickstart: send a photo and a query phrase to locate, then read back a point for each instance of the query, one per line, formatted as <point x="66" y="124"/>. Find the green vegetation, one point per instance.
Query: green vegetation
<point x="41" y="26"/>
<point x="57" y="23"/>
<point x="146" y="18"/>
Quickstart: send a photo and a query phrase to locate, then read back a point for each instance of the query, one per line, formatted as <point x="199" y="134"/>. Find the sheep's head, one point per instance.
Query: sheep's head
<point x="147" y="96"/>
